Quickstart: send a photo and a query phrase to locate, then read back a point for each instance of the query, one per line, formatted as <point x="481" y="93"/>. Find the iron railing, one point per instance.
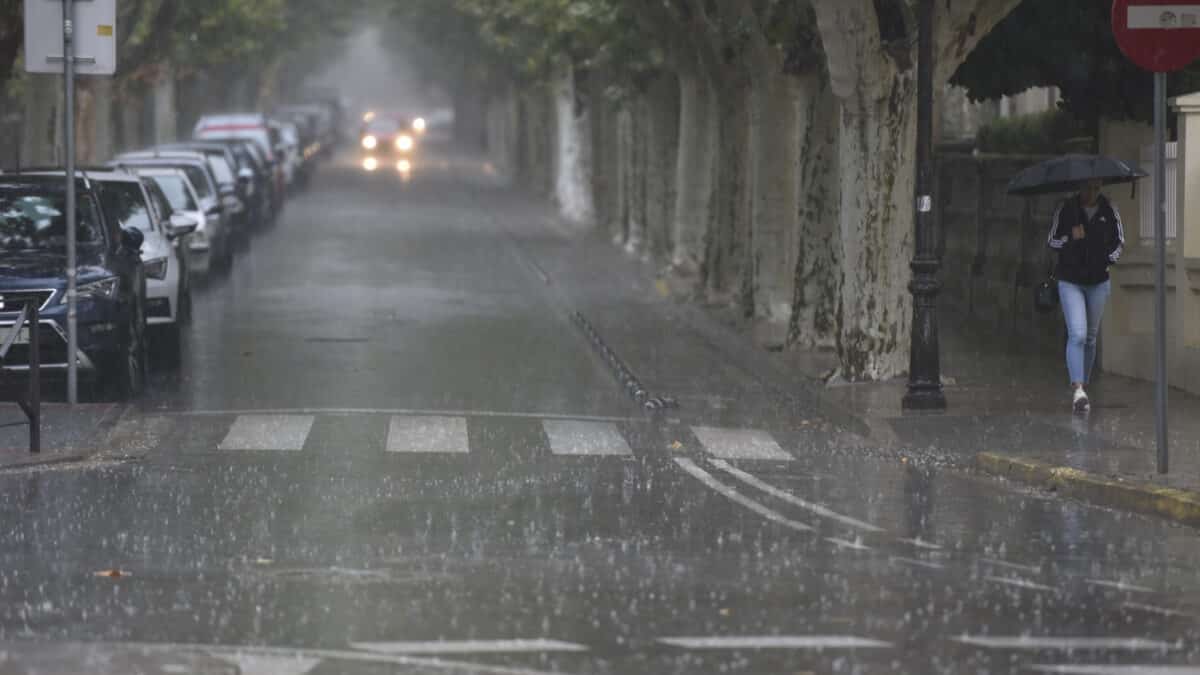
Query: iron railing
<point x="28" y="321"/>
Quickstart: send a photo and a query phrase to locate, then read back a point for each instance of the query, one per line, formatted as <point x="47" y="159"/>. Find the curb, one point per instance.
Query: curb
<point x="1180" y="506"/>
<point x="46" y="459"/>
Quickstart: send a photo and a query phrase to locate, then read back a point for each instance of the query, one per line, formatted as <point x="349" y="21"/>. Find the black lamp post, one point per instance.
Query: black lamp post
<point x="924" y="366"/>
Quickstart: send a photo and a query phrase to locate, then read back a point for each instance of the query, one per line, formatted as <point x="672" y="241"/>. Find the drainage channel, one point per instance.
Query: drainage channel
<point x="633" y="387"/>
<point x="628" y="380"/>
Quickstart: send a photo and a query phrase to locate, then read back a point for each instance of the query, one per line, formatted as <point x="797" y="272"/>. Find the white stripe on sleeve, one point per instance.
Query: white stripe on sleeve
<point x="1052" y="241"/>
<point x="1116" y="254"/>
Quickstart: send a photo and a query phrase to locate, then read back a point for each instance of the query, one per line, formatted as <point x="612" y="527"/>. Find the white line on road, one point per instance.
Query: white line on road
<point x="1067" y="644"/>
<point x="921" y="543"/>
<point x="740" y="444"/>
<point x="1153" y="609"/>
<point x="1119" y="670"/>
<point x="1020" y="583"/>
<point x="470" y="647"/>
<point x="428" y="435"/>
<point x="397" y="411"/>
<point x="776" y="642"/>
<point x="1032" y="569"/>
<point x="254" y="664"/>
<point x="1119" y="585"/>
<point x="735" y="496"/>
<point x="574" y="437"/>
<point x="756" y="483"/>
<point x="268" y="432"/>
<point x="846" y="543"/>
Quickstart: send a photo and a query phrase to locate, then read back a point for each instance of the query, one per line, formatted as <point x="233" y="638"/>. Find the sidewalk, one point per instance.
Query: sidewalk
<point x="1009" y="413"/>
<point x="68" y="434"/>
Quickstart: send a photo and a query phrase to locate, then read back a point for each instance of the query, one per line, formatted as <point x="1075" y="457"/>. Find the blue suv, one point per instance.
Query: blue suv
<point x="112" y="282"/>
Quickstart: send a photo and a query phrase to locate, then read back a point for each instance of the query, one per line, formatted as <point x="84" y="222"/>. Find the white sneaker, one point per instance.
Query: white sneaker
<point x="1081" y="404"/>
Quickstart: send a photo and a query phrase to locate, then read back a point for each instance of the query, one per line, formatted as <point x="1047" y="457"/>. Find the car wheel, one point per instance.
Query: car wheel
<point x="185" y="305"/>
<point x="172" y="344"/>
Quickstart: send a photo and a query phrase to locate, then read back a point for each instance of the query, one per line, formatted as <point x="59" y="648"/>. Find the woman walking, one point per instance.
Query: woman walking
<point x="1089" y="238"/>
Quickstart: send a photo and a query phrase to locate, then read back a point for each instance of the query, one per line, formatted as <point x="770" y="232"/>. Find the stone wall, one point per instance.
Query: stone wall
<point x="994" y="252"/>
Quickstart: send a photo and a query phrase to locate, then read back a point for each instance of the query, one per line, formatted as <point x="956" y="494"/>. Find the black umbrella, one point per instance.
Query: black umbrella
<point x="1065" y="174"/>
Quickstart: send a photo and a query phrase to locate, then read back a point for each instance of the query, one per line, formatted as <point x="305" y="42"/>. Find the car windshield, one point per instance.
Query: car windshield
<point x="220" y="169"/>
<point x="125" y="204"/>
<point x="199" y="180"/>
<point x="175" y="189"/>
<point x="383" y="126"/>
<point x="36" y="220"/>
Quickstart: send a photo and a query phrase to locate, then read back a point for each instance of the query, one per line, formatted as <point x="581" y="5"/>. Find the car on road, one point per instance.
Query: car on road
<point x="112" y="292"/>
<point x="125" y="198"/>
<point x="218" y="221"/>
<point x="233" y="180"/>
<point x="206" y="248"/>
<point x="254" y="127"/>
<point x="387" y="134"/>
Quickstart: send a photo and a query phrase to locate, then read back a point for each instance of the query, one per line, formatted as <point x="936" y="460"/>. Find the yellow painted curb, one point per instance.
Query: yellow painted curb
<point x="1180" y="506"/>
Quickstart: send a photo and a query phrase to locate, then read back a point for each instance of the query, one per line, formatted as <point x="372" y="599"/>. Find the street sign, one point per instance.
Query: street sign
<point x="1159" y="35"/>
<point x="94" y="35"/>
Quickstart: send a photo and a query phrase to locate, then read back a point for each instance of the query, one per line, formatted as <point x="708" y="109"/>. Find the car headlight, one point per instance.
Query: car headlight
<point x="105" y="289"/>
<point x="156" y="269"/>
<point x="419" y="125"/>
<point x="370" y="142"/>
<point x="404" y="143"/>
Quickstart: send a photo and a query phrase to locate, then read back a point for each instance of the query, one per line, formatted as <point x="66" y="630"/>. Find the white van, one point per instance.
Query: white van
<point x="253" y="126"/>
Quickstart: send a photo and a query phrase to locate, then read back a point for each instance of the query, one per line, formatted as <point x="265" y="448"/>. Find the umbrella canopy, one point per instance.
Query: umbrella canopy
<point x="1065" y="174"/>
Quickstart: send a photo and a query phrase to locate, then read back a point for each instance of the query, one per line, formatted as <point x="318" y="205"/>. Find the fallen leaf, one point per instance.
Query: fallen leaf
<point x="264" y="561"/>
<point x="725" y="611"/>
<point x="676" y="445"/>
<point x="113" y="574"/>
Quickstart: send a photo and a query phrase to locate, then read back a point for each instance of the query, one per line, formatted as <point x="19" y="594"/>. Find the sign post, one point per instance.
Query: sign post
<point x="90" y="31"/>
<point x="1161" y="36"/>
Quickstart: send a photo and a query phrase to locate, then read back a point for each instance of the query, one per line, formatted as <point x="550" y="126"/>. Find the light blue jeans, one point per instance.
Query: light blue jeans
<point x="1083" y="307"/>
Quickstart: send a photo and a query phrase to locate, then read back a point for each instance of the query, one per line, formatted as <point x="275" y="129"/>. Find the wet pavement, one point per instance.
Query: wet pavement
<point x="390" y="450"/>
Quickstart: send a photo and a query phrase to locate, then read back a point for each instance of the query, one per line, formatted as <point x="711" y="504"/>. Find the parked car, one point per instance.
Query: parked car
<point x="209" y="246"/>
<point x="218" y="216"/>
<point x="254" y="178"/>
<point x="112" y="293"/>
<point x="126" y="199"/>
<point x="257" y="128"/>
<point x="232" y="183"/>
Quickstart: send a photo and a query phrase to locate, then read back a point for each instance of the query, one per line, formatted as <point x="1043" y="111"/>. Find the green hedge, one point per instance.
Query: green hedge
<point x="1051" y="132"/>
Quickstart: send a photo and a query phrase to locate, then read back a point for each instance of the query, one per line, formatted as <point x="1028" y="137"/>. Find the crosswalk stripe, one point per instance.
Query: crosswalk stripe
<point x="776" y="642"/>
<point x="585" y="438"/>
<point x="740" y="444"/>
<point x="1031" y="642"/>
<point x="268" y="432"/>
<point x="1118" y="670"/>
<point x="470" y="647"/>
<point x="428" y="434"/>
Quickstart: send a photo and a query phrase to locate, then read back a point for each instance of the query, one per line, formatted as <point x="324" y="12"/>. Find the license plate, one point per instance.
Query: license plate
<point x="22" y="337"/>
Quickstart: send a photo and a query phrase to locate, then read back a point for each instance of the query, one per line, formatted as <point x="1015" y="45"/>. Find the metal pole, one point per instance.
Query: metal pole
<point x="35" y="376"/>
<point x="69" y="83"/>
<point x="1160" y="271"/>
<point x="925" y="370"/>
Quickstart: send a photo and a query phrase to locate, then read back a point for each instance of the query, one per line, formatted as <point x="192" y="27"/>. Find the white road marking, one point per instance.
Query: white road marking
<point x="425" y="664"/>
<point x="846" y="543"/>
<point x="397" y="411"/>
<point x="918" y="563"/>
<point x="1032" y="569"/>
<point x="1067" y="644"/>
<point x="428" y="435"/>
<point x="268" y="432"/>
<point x="776" y="642"/>
<point x="740" y="444"/>
<point x="1119" y="670"/>
<point x="1153" y="609"/>
<point x="735" y="496"/>
<point x="1021" y="583"/>
<point x="573" y="437"/>
<point x="253" y="664"/>
<point x="921" y="543"/>
<point x="1119" y="585"/>
<point x="470" y="647"/>
<point x="783" y="495"/>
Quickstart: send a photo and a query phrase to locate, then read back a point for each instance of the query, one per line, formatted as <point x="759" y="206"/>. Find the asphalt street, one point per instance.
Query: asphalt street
<point x="391" y="450"/>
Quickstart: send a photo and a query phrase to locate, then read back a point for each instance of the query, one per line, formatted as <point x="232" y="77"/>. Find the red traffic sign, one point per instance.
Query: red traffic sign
<point x="1158" y="35"/>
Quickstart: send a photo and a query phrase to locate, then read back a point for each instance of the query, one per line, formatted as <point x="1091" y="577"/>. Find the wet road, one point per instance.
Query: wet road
<point x="390" y="451"/>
